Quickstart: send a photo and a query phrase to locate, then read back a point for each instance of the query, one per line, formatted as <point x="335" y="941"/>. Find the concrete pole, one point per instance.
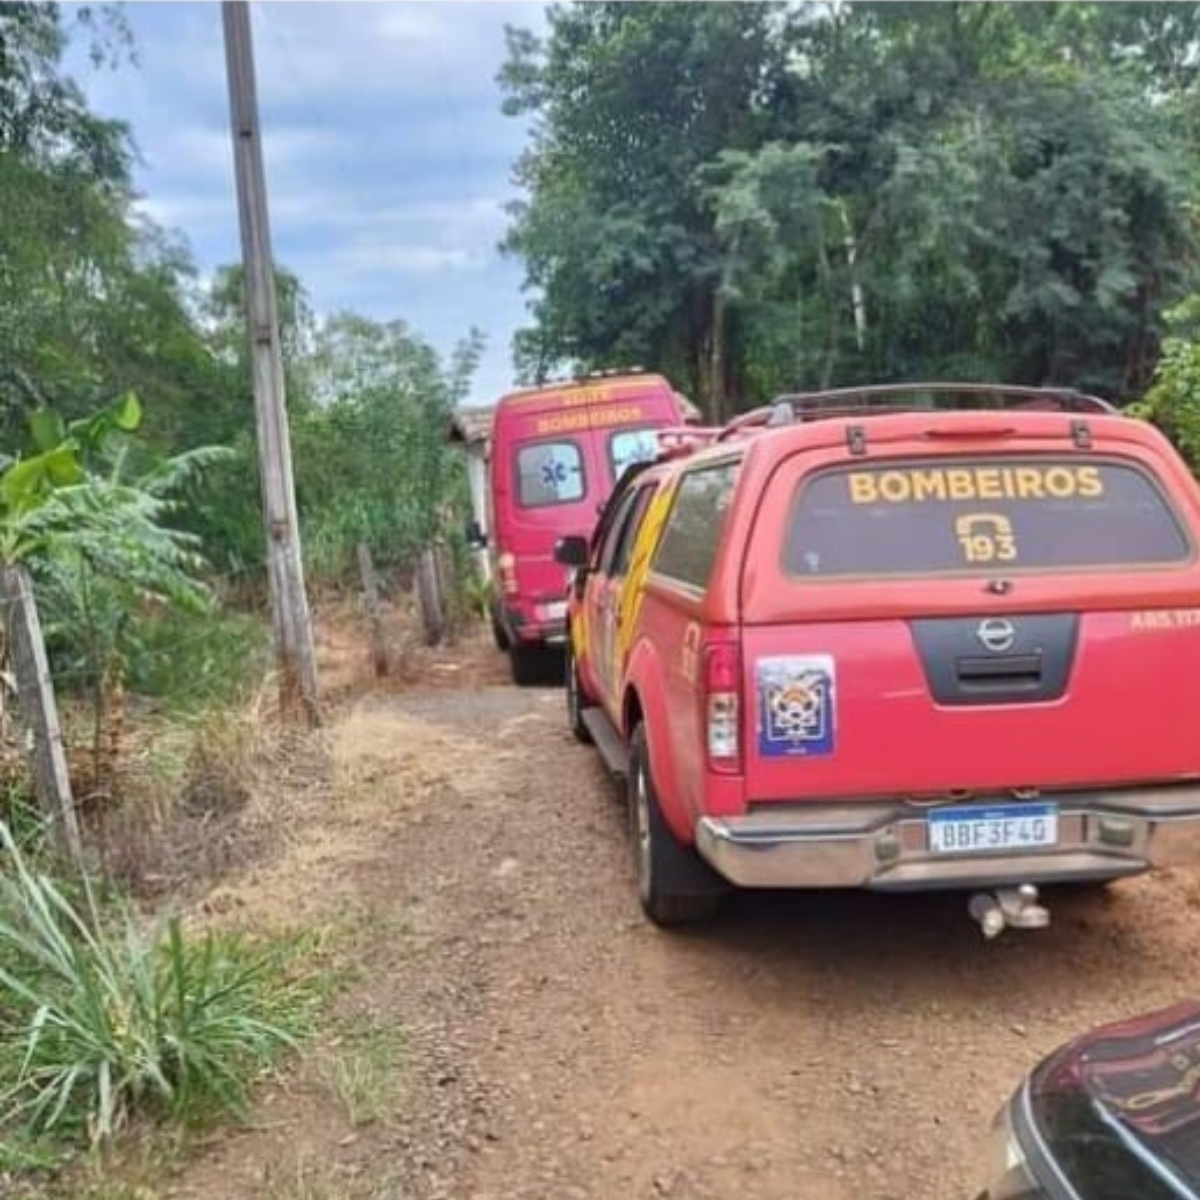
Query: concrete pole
<point x="289" y="602"/>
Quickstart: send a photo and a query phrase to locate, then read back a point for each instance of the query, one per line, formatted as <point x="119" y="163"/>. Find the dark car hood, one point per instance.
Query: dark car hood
<point x="1142" y="1077"/>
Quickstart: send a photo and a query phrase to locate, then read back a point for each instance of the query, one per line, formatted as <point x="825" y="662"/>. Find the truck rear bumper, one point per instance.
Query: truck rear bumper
<point x="544" y="624"/>
<point x="885" y="846"/>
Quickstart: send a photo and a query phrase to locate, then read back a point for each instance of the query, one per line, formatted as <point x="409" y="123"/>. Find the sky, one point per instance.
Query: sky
<point x="388" y="160"/>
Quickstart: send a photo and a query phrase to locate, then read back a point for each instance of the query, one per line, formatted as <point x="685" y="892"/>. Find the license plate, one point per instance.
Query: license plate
<point x="1004" y="827"/>
<point x="556" y="610"/>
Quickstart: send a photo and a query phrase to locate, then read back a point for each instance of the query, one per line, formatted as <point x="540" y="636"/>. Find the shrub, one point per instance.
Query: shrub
<point x="1173" y="401"/>
<point x="105" y="1022"/>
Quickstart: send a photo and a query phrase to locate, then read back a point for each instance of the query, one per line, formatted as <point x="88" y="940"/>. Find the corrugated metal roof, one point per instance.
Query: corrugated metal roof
<point x="471" y="425"/>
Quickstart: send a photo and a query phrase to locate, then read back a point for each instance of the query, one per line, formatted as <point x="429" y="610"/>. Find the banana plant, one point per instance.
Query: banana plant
<point x="98" y="545"/>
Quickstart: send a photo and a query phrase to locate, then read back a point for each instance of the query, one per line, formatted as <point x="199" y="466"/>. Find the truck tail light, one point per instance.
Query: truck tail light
<point x="506" y="564"/>
<point x="722" y="703"/>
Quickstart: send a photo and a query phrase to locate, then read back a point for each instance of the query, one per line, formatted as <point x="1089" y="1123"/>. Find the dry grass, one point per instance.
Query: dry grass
<point x="197" y="798"/>
<point x="361" y="1069"/>
<point x="309" y="1179"/>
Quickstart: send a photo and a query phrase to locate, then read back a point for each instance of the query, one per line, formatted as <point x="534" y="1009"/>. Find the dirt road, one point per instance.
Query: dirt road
<point x="815" y="1047"/>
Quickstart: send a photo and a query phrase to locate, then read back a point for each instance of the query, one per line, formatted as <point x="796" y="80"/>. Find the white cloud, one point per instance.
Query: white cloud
<point x="307" y="51"/>
<point x="388" y="159"/>
<point x="379" y="257"/>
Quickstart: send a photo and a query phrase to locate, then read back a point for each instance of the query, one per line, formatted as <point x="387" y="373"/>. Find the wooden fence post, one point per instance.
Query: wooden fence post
<point x="370" y="585"/>
<point x="441" y="556"/>
<point x="39" y="711"/>
<point x="429" y="595"/>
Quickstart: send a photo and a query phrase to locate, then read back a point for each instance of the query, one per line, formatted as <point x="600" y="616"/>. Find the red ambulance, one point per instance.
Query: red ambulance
<point x="556" y="454"/>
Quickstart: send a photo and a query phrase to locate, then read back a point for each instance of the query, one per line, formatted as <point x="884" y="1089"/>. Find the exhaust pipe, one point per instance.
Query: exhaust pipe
<point x="1005" y="908"/>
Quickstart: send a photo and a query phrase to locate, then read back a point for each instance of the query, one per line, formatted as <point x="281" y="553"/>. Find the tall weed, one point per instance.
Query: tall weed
<point x="103" y="1022"/>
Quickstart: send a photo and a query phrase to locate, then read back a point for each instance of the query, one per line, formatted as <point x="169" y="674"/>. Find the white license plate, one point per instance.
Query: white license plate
<point x="1003" y="827"/>
<point x="556" y="610"/>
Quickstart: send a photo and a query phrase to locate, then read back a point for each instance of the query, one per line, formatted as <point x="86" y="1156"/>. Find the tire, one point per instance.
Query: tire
<point x="526" y="663"/>
<point x="577" y="702"/>
<point x="498" y="633"/>
<point x="675" y="886"/>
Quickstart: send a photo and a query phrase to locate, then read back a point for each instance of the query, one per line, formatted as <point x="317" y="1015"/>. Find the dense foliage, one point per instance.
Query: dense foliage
<point x="757" y="197"/>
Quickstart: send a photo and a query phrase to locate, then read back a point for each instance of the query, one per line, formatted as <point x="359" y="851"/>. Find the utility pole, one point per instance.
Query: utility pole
<point x="285" y="567"/>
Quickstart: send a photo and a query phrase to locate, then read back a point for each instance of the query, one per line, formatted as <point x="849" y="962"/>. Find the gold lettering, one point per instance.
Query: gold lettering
<point x="1091" y="485"/>
<point x="987" y="484"/>
<point x="894" y="487"/>
<point x="1029" y="483"/>
<point x="1060" y="482"/>
<point x="585" y="395"/>
<point x="599" y="418"/>
<point x="862" y="488"/>
<point x="928" y="485"/>
<point x="962" y="486"/>
<point x="898" y="485"/>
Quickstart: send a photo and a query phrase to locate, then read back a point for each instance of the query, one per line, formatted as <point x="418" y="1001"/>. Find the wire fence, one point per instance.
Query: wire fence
<point x="70" y="677"/>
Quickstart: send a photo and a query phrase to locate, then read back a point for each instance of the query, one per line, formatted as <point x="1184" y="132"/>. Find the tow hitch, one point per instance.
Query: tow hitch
<point x="1015" y="908"/>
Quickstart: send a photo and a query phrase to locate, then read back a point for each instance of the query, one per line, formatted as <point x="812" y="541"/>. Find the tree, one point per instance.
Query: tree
<point x="372" y="463"/>
<point x="98" y="546"/>
<point x="864" y="192"/>
<point x="618" y="241"/>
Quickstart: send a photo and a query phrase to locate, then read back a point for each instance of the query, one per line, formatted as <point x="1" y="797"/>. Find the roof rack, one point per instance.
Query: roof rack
<point x="604" y="373"/>
<point x="880" y="399"/>
<point x="674" y="441"/>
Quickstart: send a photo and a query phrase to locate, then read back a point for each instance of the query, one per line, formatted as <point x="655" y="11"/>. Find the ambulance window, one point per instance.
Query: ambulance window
<point x="549" y="473"/>
<point x="689" y="543"/>
<point x="981" y="516"/>
<point x="628" y="446"/>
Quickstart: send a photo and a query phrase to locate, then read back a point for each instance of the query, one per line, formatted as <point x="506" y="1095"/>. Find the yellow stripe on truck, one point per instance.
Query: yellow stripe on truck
<point x="639" y="568"/>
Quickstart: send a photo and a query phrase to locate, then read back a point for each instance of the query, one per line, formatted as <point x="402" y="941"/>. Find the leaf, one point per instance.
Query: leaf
<point x="25" y="481"/>
<point x="123" y="415"/>
<point x="47" y="427"/>
<point x="62" y="465"/>
<point x="127" y="412"/>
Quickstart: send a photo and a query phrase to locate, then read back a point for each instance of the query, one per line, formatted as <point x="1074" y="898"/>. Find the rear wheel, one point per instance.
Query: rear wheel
<point x="498" y="633"/>
<point x="576" y="700"/>
<point x="674" y="885"/>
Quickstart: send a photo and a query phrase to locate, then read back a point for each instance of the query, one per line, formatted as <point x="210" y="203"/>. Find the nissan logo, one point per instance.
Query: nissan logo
<point x="996" y="635"/>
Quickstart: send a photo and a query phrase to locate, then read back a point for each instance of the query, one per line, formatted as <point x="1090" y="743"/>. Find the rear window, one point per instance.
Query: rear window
<point x="689" y="542"/>
<point x="549" y="473"/>
<point x="980" y="516"/>
<point x="629" y="446"/>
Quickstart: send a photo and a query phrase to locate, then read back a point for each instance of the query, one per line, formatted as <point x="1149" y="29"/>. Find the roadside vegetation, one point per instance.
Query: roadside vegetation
<point x="129" y="497"/>
<point x="749" y="198"/>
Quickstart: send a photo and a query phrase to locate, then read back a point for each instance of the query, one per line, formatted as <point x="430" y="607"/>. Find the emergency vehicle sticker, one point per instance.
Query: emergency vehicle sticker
<point x="797" y="705"/>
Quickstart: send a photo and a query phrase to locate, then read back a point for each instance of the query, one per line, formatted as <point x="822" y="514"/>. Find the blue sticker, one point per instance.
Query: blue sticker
<point x="554" y="474"/>
<point x="797" y="705"/>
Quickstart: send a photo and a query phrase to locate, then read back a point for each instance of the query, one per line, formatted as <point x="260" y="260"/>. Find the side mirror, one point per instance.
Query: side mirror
<point x="572" y="551"/>
<point x="475" y="536"/>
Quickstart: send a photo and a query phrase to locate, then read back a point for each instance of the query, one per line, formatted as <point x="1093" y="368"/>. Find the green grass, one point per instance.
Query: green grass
<point x="105" y="1021"/>
<point x="195" y="661"/>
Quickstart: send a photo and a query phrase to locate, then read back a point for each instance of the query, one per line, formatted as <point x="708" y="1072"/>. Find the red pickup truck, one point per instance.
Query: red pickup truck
<point x="910" y="637"/>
